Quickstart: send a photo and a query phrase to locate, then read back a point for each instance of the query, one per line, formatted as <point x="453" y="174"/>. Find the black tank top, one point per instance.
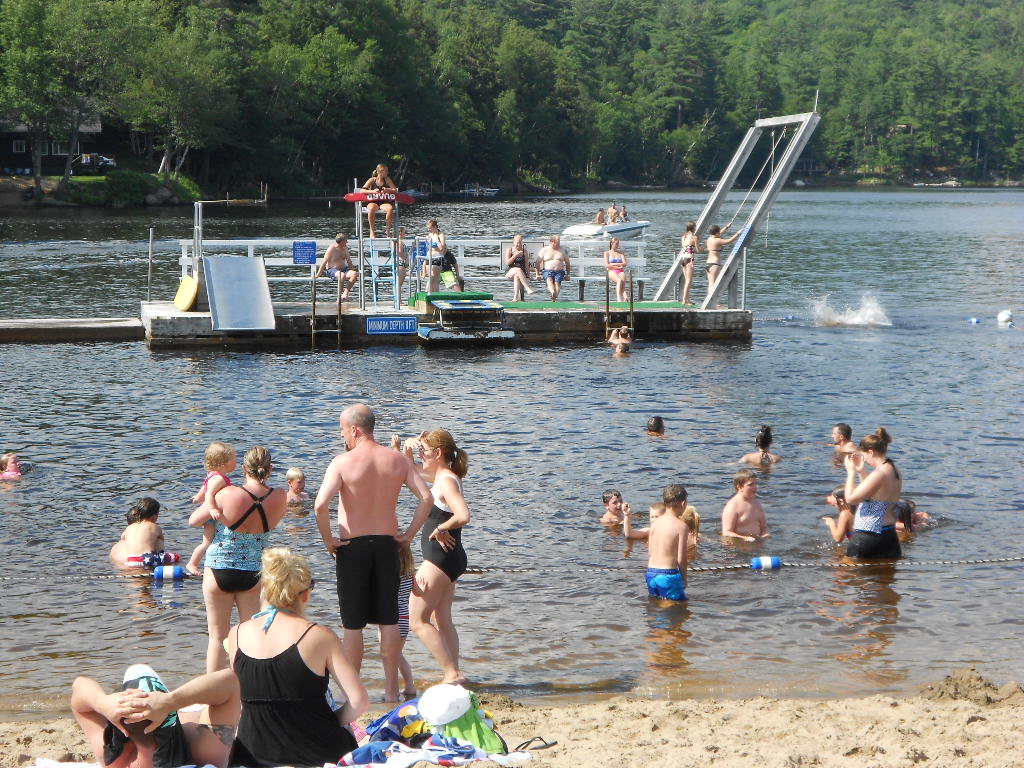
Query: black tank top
<point x="285" y="716"/>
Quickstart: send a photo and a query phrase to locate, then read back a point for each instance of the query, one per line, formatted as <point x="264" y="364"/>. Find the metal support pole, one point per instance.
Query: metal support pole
<point x="743" y="292"/>
<point x="632" y="314"/>
<point x="312" y="319"/>
<point x="607" y="306"/>
<point x="149" y="278"/>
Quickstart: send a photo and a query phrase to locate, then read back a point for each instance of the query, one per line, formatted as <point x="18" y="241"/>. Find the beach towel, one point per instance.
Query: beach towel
<point x="437" y="750"/>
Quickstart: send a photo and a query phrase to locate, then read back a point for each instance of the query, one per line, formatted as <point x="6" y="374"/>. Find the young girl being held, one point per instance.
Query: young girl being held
<point x="219" y="459"/>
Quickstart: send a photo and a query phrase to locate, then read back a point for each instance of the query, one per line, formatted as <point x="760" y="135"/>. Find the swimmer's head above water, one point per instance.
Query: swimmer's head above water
<point x="145" y="508"/>
<point x="656" y="425"/>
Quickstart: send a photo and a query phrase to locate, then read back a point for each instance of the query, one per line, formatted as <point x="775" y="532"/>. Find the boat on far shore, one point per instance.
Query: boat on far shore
<point x="624" y="230"/>
<point x="473" y="190"/>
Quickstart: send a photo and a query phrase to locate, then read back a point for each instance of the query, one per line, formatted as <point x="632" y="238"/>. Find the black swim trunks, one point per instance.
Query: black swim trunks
<point x="368" y="571"/>
<point x="452" y="562"/>
<point x="235" y="580"/>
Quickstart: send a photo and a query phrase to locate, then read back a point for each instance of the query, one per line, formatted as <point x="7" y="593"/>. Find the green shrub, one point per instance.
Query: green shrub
<point x="185" y="189"/>
<point x="89" y="193"/>
<point x="130" y="187"/>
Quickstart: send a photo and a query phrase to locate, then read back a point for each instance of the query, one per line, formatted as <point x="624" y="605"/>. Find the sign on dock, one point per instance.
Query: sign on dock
<point x="390" y="324"/>
<point x="304" y="252"/>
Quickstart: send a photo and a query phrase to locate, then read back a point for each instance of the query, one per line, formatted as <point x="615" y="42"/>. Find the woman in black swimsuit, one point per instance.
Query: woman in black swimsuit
<point x="244" y="514"/>
<point x="444" y="559"/>
<point x="284" y="663"/>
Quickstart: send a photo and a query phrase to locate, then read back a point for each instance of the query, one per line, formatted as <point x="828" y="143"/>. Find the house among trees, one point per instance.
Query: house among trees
<point x="16" y="148"/>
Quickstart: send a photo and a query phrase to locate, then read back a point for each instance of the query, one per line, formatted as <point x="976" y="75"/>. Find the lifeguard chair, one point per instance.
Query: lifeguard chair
<point x="381" y="252"/>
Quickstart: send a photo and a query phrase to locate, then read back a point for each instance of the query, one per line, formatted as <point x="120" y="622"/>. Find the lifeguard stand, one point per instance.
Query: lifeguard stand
<point x="382" y="252"/>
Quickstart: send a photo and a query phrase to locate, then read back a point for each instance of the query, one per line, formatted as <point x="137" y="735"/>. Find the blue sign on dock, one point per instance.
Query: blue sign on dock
<point x="304" y="252"/>
<point x="390" y="324"/>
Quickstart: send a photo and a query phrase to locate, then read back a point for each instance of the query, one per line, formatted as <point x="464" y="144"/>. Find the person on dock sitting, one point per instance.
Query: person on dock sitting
<point x="517" y="259"/>
<point x="379" y="182"/>
<point x="553" y="264"/>
<point x="338" y="264"/>
<point x="615" y="263"/>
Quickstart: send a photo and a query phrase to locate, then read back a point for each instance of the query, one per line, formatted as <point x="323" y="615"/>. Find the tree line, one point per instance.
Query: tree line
<point x="311" y="93"/>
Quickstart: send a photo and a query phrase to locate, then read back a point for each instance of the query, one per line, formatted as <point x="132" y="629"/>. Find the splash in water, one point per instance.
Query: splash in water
<point x="869" y="312"/>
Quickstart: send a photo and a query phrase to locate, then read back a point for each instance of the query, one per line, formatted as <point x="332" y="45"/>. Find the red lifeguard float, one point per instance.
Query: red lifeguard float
<point x="379" y="197"/>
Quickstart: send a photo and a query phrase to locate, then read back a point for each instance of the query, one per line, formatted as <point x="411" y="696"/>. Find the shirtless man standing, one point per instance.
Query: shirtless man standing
<point x="553" y="264"/>
<point x="714" y="245"/>
<point x="338" y="264"/>
<point x="367" y="480"/>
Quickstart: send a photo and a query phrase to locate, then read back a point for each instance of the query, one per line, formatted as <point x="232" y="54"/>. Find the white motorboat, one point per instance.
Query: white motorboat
<point x="624" y="230"/>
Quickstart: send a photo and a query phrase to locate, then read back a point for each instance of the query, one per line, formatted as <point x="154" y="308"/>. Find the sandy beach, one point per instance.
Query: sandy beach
<point x="963" y="720"/>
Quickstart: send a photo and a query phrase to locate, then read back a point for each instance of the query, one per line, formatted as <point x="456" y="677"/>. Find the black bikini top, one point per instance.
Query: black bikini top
<point x="257" y="505"/>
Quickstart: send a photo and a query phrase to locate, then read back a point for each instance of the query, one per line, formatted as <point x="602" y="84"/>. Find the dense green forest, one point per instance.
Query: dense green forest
<point x="309" y="93"/>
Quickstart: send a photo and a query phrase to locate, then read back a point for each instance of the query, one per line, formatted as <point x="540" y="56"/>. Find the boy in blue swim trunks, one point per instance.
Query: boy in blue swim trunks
<point x="667" y="543"/>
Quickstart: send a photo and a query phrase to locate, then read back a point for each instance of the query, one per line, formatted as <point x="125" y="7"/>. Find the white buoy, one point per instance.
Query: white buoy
<point x="1006" y="316"/>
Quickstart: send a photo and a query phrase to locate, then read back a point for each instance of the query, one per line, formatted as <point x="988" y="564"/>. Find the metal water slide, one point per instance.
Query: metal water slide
<point x="236" y="287"/>
<point x="727" y="279"/>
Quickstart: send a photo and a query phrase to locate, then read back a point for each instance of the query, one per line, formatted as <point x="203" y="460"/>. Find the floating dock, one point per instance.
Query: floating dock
<point x="541" y="322"/>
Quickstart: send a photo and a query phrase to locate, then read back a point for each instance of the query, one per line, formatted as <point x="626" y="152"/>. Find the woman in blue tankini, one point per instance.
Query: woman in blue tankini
<point x="876" y="497"/>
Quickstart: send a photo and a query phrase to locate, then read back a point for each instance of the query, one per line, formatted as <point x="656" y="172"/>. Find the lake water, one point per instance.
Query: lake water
<point x="547" y="429"/>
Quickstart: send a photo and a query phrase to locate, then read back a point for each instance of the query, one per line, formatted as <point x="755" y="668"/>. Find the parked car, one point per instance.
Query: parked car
<point x="93" y="162"/>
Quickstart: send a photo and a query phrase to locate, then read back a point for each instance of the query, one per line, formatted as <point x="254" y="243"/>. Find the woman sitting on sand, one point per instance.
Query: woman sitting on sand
<point x="281" y="663"/>
<point x="284" y="663"/>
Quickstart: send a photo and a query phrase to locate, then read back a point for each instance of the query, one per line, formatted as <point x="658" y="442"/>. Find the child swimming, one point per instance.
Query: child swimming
<point x="142" y="543"/>
<point x="743" y="516"/>
<point x="219" y="459"/>
<point x="690" y="516"/>
<point x="842" y="527"/>
<point x="10" y="469"/>
<point x="614" y="507"/>
<point x="296" y="486"/>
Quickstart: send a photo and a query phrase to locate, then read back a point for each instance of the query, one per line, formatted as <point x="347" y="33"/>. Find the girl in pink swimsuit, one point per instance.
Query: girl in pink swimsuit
<point x="615" y="263"/>
<point x="219" y="459"/>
